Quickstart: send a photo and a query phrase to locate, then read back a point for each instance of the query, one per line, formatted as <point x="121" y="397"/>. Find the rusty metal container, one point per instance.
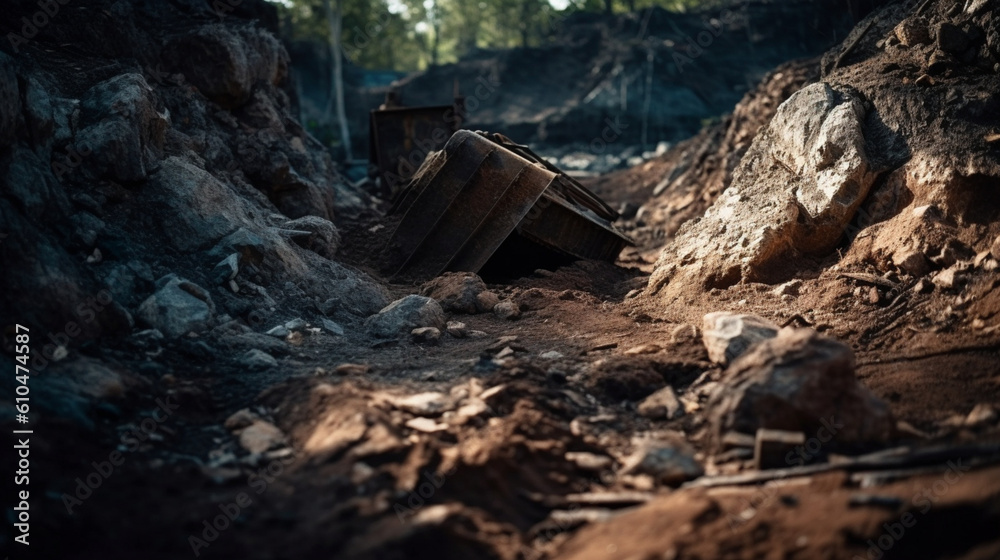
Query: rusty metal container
<point x="399" y="138"/>
<point x="481" y="190"/>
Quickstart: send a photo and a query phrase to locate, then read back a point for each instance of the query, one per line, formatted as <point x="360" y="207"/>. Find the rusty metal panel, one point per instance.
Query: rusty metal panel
<point x="401" y="137"/>
<point x="468" y="199"/>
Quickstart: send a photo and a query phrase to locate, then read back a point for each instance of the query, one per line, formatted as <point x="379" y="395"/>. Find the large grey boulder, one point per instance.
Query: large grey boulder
<point x="799" y="381"/>
<point x="794" y="193"/>
<point x="178" y="307"/>
<point x="403" y="315"/>
<point x="194" y="209"/>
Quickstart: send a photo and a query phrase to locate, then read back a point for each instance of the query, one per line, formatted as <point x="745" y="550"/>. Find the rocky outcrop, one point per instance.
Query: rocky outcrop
<point x="793" y="194"/>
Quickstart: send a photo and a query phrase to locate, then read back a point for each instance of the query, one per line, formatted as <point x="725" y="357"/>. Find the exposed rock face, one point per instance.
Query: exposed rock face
<point x="799" y="381"/>
<point x="793" y="194"/>
<point x="225" y="63"/>
<point x="162" y="156"/>
<point x="121" y="131"/>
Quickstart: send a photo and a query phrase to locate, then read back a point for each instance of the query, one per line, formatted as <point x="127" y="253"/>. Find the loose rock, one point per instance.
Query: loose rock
<point x="728" y="335"/>
<point x="459" y="292"/>
<point x="507" y="309"/>
<point x="799" y="381"/>
<point x="666" y="464"/>
<point x="662" y="404"/>
<point x="257" y="359"/>
<point x="403" y="315"/>
<point x="426" y="334"/>
<point x="178" y="307"/>
<point x="457" y="329"/>
<point x="261" y="436"/>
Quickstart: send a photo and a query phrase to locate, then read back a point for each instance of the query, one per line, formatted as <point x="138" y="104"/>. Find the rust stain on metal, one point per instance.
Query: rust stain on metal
<point x="481" y="190"/>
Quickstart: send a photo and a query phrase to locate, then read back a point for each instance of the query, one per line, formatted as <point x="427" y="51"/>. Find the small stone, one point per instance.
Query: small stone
<point x="240" y="419"/>
<point x="981" y="258"/>
<point x="913" y="263"/>
<point x="426" y="334"/>
<point x="351" y="369"/>
<point x="644" y="349"/>
<point x="589" y="461"/>
<point x="995" y="248"/>
<point x="728" y="335"/>
<point x="296" y="324"/>
<point x="425" y="425"/>
<point x="257" y="359"/>
<point x="550" y="355"/>
<point x="772" y="447"/>
<point x="487" y="300"/>
<point x="790" y="288"/>
<point x="923" y="286"/>
<point x="506" y="352"/>
<point x="939" y="62"/>
<point x="278" y="332"/>
<point x="947" y="279"/>
<point x="459" y="292"/>
<point x="332" y="327"/>
<point x="227" y="269"/>
<point x="507" y="309"/>
<point x="457" y="329"/>
<point x="924" y="80"/>
<point x="873" y="295"/>
<point x="261" y="436"/>
<point x="927" y="212"/>
<point x="422" y="404"/>
<point x="662" y="404"/>
<point x="981" y="414"/>
<point x="666" y="464"/>
<point x="913" y="31"/>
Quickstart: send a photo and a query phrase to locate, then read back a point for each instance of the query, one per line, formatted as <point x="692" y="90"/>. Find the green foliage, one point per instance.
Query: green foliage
<point x="413" y="34"/>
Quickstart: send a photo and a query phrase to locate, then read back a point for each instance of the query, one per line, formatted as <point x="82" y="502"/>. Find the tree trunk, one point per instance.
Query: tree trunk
<point x="436" y="27"/>
<point x="335" y="19"/>
<point x="608" y="6"/>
